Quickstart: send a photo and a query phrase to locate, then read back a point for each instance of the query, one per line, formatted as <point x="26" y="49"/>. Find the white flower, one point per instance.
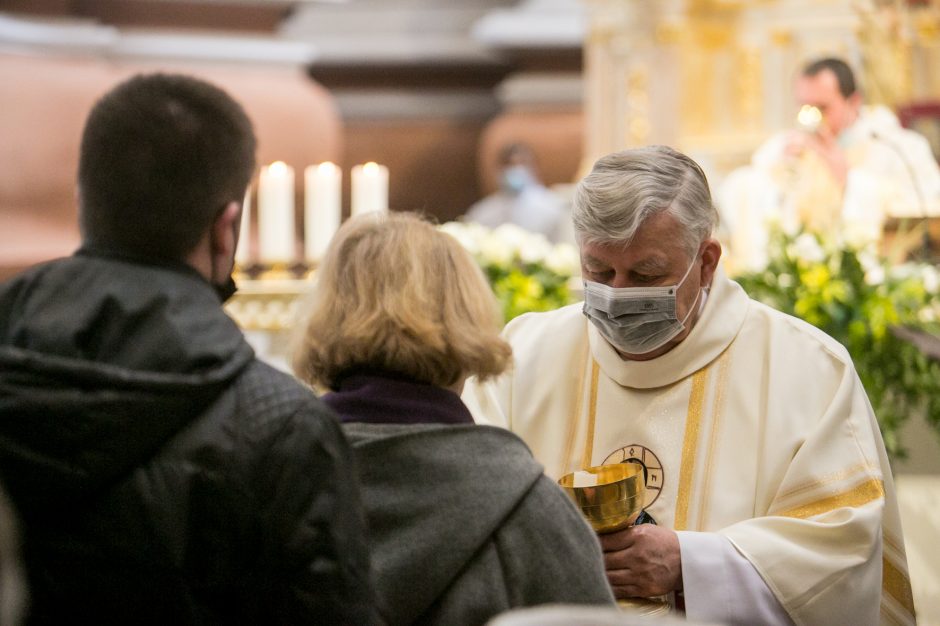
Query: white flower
<point x="860" y="235"/>
<point x="534" y="249"/>
<point x="463" y="235"/>
<point x="789" y="226"/>
<point x="868" y="259"/>
<point x="904" y="271"/>
<point x="511" y="235"/>
<point x="478" y="232"/>
<point x="927" y="315"/>
<point x="806" y="248"/>
<point x="564" y="260"/>
<point x="931" y="278"/>
<point x="875" y="275"/>
<point x="495" y="251"/>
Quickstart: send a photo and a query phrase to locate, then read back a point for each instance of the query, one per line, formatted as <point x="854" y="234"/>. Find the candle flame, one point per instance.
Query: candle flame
<point x="326" y="166"/>
<point x="278" y="167"/>
<point x="370" y="166"/>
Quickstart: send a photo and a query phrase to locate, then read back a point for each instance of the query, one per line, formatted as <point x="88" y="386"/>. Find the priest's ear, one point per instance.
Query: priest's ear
<point x="711" y="254"/>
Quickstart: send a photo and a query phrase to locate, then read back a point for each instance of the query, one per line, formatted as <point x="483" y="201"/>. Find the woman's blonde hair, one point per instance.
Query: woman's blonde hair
<point x="397" y="295"/>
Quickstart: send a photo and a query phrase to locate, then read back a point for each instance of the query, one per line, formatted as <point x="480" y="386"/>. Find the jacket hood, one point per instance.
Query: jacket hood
<point x="434" y="495"/>
<point x="102" y="360"/>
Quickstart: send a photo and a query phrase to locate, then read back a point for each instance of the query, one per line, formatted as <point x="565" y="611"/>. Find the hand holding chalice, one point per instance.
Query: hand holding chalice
<point x="612" y="497"/>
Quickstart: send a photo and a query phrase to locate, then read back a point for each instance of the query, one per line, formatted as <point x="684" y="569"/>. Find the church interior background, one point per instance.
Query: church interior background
<point x="432" y="89"/>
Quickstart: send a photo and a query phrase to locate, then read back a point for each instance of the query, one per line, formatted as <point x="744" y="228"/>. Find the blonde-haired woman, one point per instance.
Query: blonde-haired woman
<point x="463" y="524"/>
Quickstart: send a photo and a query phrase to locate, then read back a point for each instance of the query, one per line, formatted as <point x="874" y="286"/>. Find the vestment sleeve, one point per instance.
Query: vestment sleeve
<point x="489" y="402"/>
<point x="829" y="536"/>
<point x="722" y="586"/>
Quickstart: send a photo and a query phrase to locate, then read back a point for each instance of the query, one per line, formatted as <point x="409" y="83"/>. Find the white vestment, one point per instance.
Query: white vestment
<point x="892" y="174"/>
<point x="755" y="427"/>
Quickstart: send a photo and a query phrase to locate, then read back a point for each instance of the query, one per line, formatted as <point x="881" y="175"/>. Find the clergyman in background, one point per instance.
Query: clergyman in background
<point x="848" y="169"/>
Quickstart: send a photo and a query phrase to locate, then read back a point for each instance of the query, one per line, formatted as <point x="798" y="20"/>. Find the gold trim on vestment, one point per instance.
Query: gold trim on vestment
<point x="897" y="585"/>
<point x="689" y="447"/>
<point x="868" y="491"/>
<point x="724" y="365"/>
<point x="889" y="617"/>
<point x="592" y="418"/>
<point x="576" y="411"/>
<point x="869" y="468"/>
<point x="892" y="542"/>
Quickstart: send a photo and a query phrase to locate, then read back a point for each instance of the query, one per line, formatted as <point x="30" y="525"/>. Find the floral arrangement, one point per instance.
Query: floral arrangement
<point x="857" y="297"/>
<point x="526" y="272"/>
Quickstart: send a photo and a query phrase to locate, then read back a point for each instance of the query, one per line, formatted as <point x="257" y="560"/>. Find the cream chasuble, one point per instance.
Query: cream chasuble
<point x="755" y="427"/>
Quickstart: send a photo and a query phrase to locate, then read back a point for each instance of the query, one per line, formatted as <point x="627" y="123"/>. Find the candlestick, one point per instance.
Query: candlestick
<point x="242" y="251"/>
<point x="369" y="188"/>
<point x="322" y="192"/>
<point x="276" y="213"/>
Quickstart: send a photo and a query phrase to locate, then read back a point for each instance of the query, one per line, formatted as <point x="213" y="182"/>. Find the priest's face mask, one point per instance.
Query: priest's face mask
<point x="646" y="297"/>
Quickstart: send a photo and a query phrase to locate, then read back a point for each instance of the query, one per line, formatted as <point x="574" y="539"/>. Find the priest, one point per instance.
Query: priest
<point x="849" y="169"/>
<point x="765" y="470"/>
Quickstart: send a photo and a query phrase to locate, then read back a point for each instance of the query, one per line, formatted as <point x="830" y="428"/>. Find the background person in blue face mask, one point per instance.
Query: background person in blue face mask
<point x="522" y="199"/>
<point x="764" y="466"/>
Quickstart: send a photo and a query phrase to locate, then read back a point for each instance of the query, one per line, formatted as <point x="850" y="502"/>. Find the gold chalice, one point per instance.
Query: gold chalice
<point x="611" y="497"/>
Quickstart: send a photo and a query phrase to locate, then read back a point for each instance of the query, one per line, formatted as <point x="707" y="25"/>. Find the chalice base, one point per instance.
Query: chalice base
<point x="644" y="606"/>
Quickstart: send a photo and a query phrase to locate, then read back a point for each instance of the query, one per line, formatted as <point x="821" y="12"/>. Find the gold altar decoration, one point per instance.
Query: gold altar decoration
<point x="672" y="72"/>
<point x="714" y="77"/>
<point x="268" y="302"/>
<point x="925" y="51"/>
<point x="886" y="52"/>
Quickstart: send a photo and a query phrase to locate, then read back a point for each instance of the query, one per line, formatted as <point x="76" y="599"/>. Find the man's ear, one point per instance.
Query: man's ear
<point x="225" y="231"/>
<point x="855" y="100"/>
<point x="711" y="254"/>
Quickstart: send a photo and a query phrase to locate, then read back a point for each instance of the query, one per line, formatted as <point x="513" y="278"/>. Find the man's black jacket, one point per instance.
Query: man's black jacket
<point x="162" y="474"/>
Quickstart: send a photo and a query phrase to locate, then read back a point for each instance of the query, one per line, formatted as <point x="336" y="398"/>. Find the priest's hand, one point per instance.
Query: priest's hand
<point x="642" y="561"/>
<point x="825" y="143"/>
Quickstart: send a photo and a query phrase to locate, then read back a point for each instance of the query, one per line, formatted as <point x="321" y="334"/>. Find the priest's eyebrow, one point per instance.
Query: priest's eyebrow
<point x="651" y="265"/>
<point x="588" y="258"/>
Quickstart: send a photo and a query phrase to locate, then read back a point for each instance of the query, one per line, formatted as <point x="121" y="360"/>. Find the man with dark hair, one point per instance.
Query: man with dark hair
<point x="845" y="79"/>
<point x="847" y="169"/>
<point x="162" y="473"/>
<point x="161" y="157"/>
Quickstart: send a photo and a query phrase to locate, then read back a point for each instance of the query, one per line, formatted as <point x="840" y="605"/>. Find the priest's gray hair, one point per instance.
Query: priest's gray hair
<point x="626" y="188"/>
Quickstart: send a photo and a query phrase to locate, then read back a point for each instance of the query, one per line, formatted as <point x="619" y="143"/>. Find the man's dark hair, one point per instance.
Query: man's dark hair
<point x="838" y="67"/>
<point x="161" y="156"/>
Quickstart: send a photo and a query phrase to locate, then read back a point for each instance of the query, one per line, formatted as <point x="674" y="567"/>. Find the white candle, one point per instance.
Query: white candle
<point x="369" y="188"/>
<point x="242" y="254"/>
<point x="322" y="193"/>
<point x="276" y="213"/>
